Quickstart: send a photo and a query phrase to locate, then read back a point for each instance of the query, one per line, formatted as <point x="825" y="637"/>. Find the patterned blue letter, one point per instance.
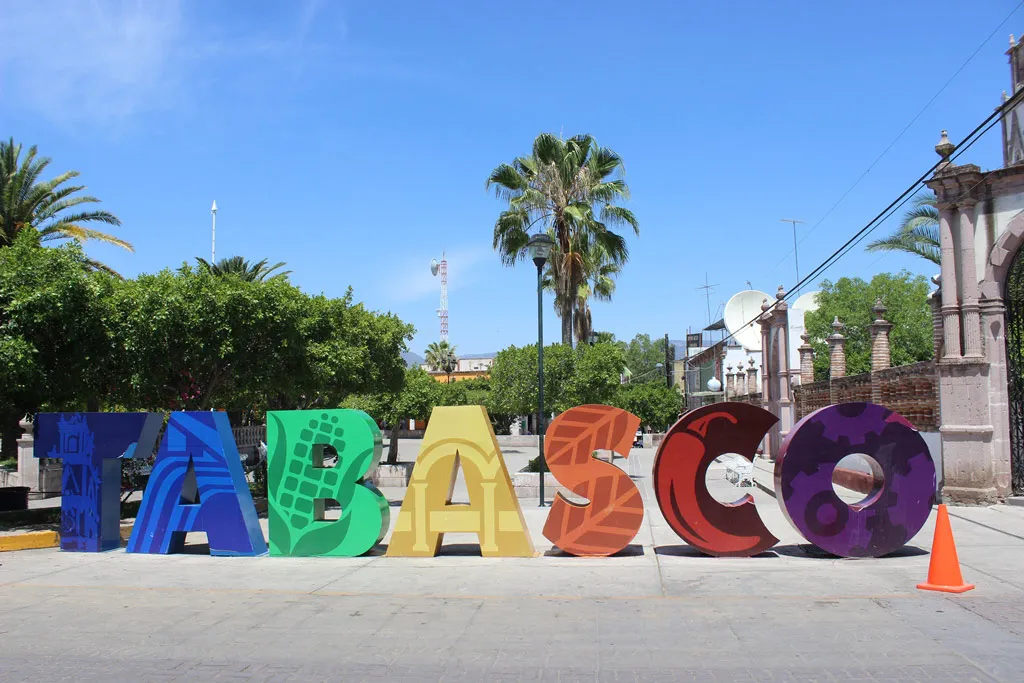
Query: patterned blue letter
<point x="197" y="484"/>
<point x="90" y="445"/>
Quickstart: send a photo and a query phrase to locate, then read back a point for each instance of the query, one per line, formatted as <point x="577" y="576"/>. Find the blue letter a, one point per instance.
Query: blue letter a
<point x="197" y="484"/>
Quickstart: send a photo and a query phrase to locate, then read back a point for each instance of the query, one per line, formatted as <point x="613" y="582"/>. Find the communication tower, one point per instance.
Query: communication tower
<point x="442" y="311"/>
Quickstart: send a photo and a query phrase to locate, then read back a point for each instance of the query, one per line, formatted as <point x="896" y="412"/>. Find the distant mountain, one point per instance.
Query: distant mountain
<point x="413" y="360"/>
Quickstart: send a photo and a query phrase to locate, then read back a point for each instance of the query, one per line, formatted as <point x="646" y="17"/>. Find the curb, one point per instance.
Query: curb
<point x="32" y="540"/>
<point x="36" y="540"/>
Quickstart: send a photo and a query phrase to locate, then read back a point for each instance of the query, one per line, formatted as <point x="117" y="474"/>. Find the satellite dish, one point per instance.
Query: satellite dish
<point x="433" y="266"/>
<point x="806" y="302"/>
<point x="740" y="310"/>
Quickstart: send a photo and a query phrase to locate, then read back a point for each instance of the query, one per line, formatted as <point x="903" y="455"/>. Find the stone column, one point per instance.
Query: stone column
<point x="950" y="305"/>
<point x="881" y="354"/>
<point x="730" y="382"/>
<point x="935" y="302"/>
<point x="971" y="318"/>
<point x="837" y="351"/>
<point x="751" y="377"/>
<point x="28" y="464"/>
<point x="806" y="359"/>
<point x="784" y="391"/>
<point x="765" y="321"/>
<point x="993" y="329"/>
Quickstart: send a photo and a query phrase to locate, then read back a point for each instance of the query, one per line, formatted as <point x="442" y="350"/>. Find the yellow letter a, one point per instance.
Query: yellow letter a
<point x="454" y="434"/>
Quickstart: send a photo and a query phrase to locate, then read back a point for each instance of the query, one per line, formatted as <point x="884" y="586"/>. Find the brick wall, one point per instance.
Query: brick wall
<point x="811" y="397"/>
<point x="910" y="390"/>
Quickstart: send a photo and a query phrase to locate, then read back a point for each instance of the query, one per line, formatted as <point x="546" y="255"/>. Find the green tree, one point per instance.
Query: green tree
<point x="47" y="206"/>
<point x="851" y="300"/>
<point x="440" y="356"/>
<point x="587" y="374"/>
<point x="54" y="348"/>
<point x="918" y="231"/>
<point x="417" y="397"/>
<point x="570" y="188"/>
<point x="642" y="356"/>
<point x="657" y="405"/>
<point x="236" y="265"/>
<point x="595" y="376"/>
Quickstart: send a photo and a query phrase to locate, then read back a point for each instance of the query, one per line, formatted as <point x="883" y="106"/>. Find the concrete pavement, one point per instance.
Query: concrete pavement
<point x="658" y="611"/>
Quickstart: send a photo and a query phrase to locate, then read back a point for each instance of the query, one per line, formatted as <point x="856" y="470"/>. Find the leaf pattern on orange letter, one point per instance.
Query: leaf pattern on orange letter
<point x="610" y="520"/>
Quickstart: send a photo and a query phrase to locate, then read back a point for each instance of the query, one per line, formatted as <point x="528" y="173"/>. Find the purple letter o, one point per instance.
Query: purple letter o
<point x="877" y="526"/>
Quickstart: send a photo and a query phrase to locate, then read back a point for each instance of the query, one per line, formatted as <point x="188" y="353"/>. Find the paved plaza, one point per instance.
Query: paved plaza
<point x="658" y="612"/>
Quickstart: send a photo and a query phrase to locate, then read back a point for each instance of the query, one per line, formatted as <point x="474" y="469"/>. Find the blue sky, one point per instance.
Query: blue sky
<point x="353" y="140"/>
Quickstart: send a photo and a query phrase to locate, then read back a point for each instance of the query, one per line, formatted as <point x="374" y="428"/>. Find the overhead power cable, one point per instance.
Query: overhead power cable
<point x="966" y="143"/>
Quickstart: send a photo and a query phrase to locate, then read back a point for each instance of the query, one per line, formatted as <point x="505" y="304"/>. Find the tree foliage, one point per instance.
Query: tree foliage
<point x="657" y="405"/>
<point x="54" y="348"/>
<point x="570" y="189"/>
<point x="918" y="231"/>
<point x="47" y="206"/>
<point x="587" y="374"/>
<point x="240" y="267"/>
<point x="189" y="339"/>
<point x="851" y="300"/>
<point x="440" y="356"/>
<point x="642" y="355"/>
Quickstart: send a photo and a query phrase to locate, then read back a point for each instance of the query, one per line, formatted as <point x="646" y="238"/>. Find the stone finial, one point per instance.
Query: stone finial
<point x="879" y="310"/>
<point x="837" y="328"/>
<point x="1013" y="41"/>
<point x="781" y="294"/>
<point x="765" y="305"/>
<point x="1005" y="97"/>
<point x="945" y="147"/>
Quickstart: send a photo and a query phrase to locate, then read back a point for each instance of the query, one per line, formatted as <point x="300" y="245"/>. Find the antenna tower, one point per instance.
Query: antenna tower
<point x="442" y="311"/>
<point x="707" y="295"/>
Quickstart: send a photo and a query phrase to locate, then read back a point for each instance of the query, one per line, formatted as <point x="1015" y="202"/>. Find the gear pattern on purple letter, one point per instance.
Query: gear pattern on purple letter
<point x="879" y="525"/>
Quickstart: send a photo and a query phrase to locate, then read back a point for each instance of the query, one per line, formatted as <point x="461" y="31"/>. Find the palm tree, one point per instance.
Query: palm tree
<point x="569" y="187"/>
<point x="440" y="356"/>
<point x="236" y="265"/>
<point x="28" y="203"/>
<point x="600" y="272"/>
<point x="918" y="232"/>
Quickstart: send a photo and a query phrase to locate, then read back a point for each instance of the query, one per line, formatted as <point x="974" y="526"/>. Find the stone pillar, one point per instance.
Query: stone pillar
<point x="970" y="312"/>
<point x="837" y="351"/>
<point x="806" y="359"/>
<point x="950" y="304"/>
<point x="784" y="387"/>
<point x="751" y="377"/>
<point x="765" y="322"/>
<point x="28" y="464"/>
<point x="935" y="302"/>
<point x="881" y="354"/>
<point x="730" y="382"/>
<point x="994" y="345"/>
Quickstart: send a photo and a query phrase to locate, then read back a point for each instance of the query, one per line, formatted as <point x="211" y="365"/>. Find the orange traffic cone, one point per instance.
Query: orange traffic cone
<point x="944" y="568"/>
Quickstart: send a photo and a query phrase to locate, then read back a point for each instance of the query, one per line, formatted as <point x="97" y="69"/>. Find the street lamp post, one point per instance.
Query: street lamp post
<point x="540" y="246"/>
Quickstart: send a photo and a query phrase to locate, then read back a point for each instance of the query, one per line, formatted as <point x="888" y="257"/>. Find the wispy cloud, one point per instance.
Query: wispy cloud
<point x="411" y="279"/>
<point x="105" y="61"/>
<point x="88" y="59"/>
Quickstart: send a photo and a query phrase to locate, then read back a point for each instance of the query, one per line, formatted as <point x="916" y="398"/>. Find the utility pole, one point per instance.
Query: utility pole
<point x="213" y="237"/>
<point x="796" y="259"/>
<point x="668" y="364"/>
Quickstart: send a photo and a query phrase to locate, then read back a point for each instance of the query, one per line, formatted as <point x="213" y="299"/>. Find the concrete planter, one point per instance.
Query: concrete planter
<point x="392" y="475"/>
<point x="527" y="486"/>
